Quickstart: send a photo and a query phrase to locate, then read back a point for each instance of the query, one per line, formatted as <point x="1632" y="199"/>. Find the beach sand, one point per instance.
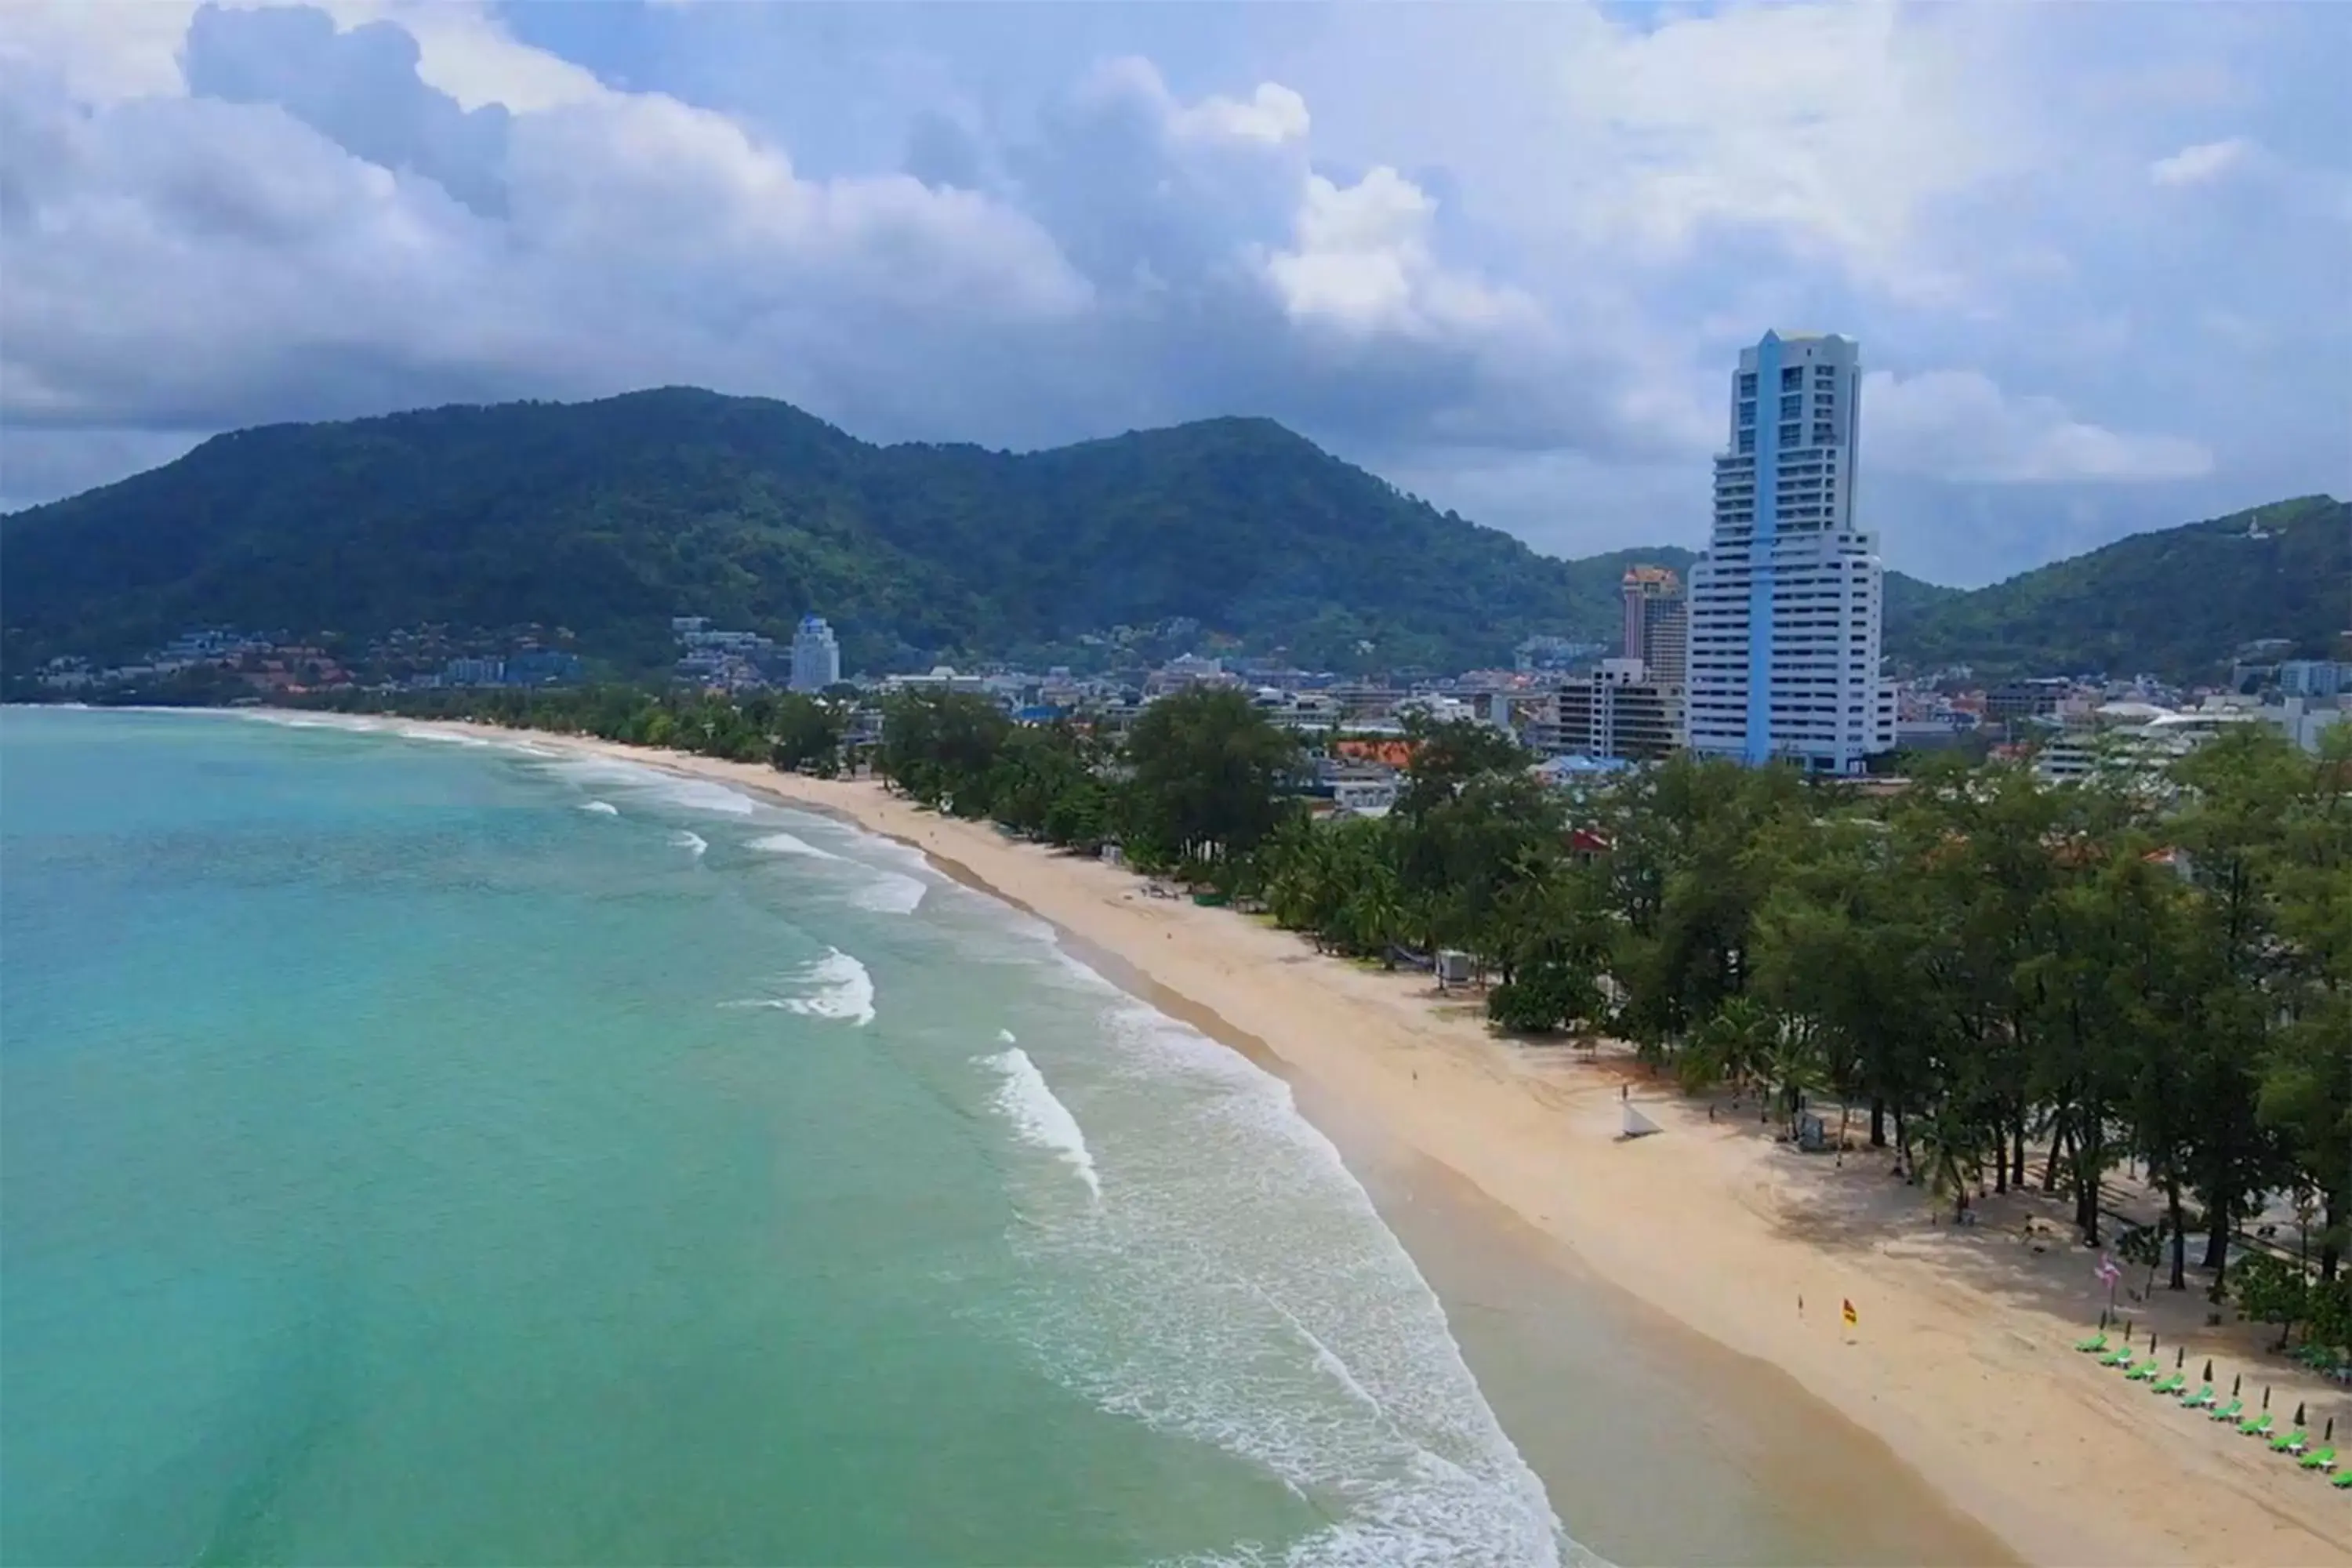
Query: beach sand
<point x="1952" y="1424"/>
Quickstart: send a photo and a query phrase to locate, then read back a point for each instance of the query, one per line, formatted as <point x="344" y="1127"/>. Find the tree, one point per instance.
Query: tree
<point x="940" y="747"/>
<point x="807" y="734"/>
<point x="2270" y="1290"/>
<point x="1208" y="775"/>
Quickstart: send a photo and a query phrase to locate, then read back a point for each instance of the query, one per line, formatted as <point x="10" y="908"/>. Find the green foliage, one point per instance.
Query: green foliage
<point x="2270" y="1290"/>
<point x="608" y="517"/>
<point x="2174" y="603"/>
<point x="943" y="747"/>
<point x="1543" y="998"/>
<point x="1208" y="775"/>
<point x="808" y="734"/>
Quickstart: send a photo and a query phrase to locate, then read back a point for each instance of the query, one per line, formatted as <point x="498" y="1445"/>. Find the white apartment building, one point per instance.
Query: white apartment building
<point x="1785" y="606"/>
<point x="816" y="656"/>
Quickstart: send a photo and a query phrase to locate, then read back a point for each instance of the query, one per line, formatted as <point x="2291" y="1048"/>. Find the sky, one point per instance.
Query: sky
<point x="2098" y="255"/>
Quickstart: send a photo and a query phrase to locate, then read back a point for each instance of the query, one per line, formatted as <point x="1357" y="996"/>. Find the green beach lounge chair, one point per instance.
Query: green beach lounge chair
<point x="2120" y="1357"/>
<point x="2200" y="1400"/>
<point x="2094" y="1346"/>
<point x="2322" y="1459"/>
<point x="2145" y="1370"/>
<point x="2294" y="1442"/>
<point x="2230" y="1412"/>
<point x="2342" y="1483"/>
<point x="2255" y="1426"/>
<point x="2172" y="1386"/>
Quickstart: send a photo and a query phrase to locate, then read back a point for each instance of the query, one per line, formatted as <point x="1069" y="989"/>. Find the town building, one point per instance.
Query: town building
<point x="816" y="655"/>
<point x="1785" y="607"/>
<point x="1657" y="623"/>
<point x="1617" y="712"/>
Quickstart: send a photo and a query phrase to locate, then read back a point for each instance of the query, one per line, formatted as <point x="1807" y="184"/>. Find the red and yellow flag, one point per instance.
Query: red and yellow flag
<point x="1851" y="1317"/>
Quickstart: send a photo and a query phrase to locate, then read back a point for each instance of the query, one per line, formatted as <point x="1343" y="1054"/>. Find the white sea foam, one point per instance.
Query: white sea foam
<point x="600" y="807"/>
<point x="790" y="844"/>
<point x="691" y="842"/>
<point x="668" y="789"/>
<point x="446" y="736"/>
<point x="839" y="987"/>
<point x="891" y="894"/>
<point x="1243" y="1291"/>
<point x="1038" y="1116"/>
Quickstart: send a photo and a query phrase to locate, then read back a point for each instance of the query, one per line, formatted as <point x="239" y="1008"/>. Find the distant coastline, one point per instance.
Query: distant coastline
<point x="1960" y="1366"/>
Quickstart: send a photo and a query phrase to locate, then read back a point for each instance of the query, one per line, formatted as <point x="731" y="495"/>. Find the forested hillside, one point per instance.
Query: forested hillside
<point x="2174" y="602"/>
<point x="608" y="517"/>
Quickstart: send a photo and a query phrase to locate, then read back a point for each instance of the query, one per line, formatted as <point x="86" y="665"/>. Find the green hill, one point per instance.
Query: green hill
<point x="610" y="516"/>
<point x="2176" y="603"/>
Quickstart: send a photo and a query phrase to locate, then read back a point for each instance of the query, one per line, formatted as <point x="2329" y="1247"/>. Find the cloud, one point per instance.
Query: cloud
<point x="2203" y="163"/>
<point x="1509" y="263"/>
<point x="1958" y="424"/>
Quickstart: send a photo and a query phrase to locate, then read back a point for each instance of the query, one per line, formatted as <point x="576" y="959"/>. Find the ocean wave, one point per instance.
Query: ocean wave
<point x="600" y="807"/>
<point x="693" y="843"/>
<point x="1038" y="1115"/>
<point x="446" y="736"/>
<point x="790" y="844"/>
<point x="1244" y="1292"/>
<point x="665" y="788"/>
<point x="891" y="894"/>
<point x="841" y="988"/>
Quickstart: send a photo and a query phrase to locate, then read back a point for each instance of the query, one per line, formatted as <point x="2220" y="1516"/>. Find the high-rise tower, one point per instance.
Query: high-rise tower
<point x="1657" y="623"/>
<point x="816" y="656"/>
<point x="1785" y="606"/>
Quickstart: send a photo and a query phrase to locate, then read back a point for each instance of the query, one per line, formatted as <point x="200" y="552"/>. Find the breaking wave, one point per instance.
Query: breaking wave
<point x="600" y="807"/>
<point x="838" y="986"/>
<point x="693" y="843"/>
<point x="790" y="844"/>
<point x="1243" y="1291"/>
<point x="1038" y="1116"/>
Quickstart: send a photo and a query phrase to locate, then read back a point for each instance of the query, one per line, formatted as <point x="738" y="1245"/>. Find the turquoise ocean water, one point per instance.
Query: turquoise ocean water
<point x="416" y="1151"/>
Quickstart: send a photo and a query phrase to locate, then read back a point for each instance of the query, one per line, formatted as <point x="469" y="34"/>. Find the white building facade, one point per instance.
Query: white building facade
<point x="816" y="656"/>
<point x="1786" y="604"/>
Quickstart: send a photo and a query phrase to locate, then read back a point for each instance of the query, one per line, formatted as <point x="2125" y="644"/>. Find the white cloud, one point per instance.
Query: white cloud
<point x="1835" y="126"/>
<point x="1273" y="114"/>
<point x="1360" y="260"/>
<point x="1958" y="424"/>
<point x="2203" y="163"/>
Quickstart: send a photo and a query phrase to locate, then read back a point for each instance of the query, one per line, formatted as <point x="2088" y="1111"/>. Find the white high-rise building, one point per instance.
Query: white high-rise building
<point x="1785" y="606"/>
<point x="816" y="656"/>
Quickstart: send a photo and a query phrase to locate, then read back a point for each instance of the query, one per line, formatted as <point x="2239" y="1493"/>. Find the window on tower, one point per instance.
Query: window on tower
<point x="1792" y="378"/>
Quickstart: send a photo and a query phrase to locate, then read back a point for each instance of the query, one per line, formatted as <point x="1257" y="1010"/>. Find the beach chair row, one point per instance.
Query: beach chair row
<point x="2295" y="1443"/>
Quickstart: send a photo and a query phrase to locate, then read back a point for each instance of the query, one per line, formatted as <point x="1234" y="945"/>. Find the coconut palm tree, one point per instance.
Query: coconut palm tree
<point x="1951" y="1154"/>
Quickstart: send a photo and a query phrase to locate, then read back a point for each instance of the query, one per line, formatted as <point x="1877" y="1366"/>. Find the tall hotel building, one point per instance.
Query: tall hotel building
<point x="1784" y="607"/>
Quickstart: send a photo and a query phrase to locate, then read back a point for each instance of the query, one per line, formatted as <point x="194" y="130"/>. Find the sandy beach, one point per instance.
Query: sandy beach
<point x="1958" y="1380"/>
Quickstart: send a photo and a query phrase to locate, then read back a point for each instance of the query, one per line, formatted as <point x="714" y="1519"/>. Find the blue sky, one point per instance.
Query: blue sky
<point x="2097" y="256"/>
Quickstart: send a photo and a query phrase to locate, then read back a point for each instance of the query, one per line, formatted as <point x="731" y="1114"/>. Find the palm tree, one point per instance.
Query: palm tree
<point x="1952" y="1154"/>
<point x="1793" y="1066"/>
<point x="1731" y="1046"/>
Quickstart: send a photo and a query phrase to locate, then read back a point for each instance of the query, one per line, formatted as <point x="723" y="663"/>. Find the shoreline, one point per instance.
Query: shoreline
<point x="1956" y="1394"/>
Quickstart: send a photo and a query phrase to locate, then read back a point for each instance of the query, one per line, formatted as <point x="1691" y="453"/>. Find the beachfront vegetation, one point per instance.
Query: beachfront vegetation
<point x="2005" y="981"/>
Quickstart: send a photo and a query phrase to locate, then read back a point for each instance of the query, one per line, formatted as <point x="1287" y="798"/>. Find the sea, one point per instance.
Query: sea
<point x="420" y="1149"/>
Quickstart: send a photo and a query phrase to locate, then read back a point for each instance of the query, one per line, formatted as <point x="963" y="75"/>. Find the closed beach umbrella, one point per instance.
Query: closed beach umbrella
<point x="2266" y="1397"/>
<point x="2209" y="1372"/>
<point x="2180" y="1356"/>
<point x="2234" y="1383"/>
<point x="2329" y="1435"/>
<point x="2298" y="1412"/>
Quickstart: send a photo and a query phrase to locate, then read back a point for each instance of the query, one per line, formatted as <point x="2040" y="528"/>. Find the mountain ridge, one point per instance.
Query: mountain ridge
<point x="611" y="516"/>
